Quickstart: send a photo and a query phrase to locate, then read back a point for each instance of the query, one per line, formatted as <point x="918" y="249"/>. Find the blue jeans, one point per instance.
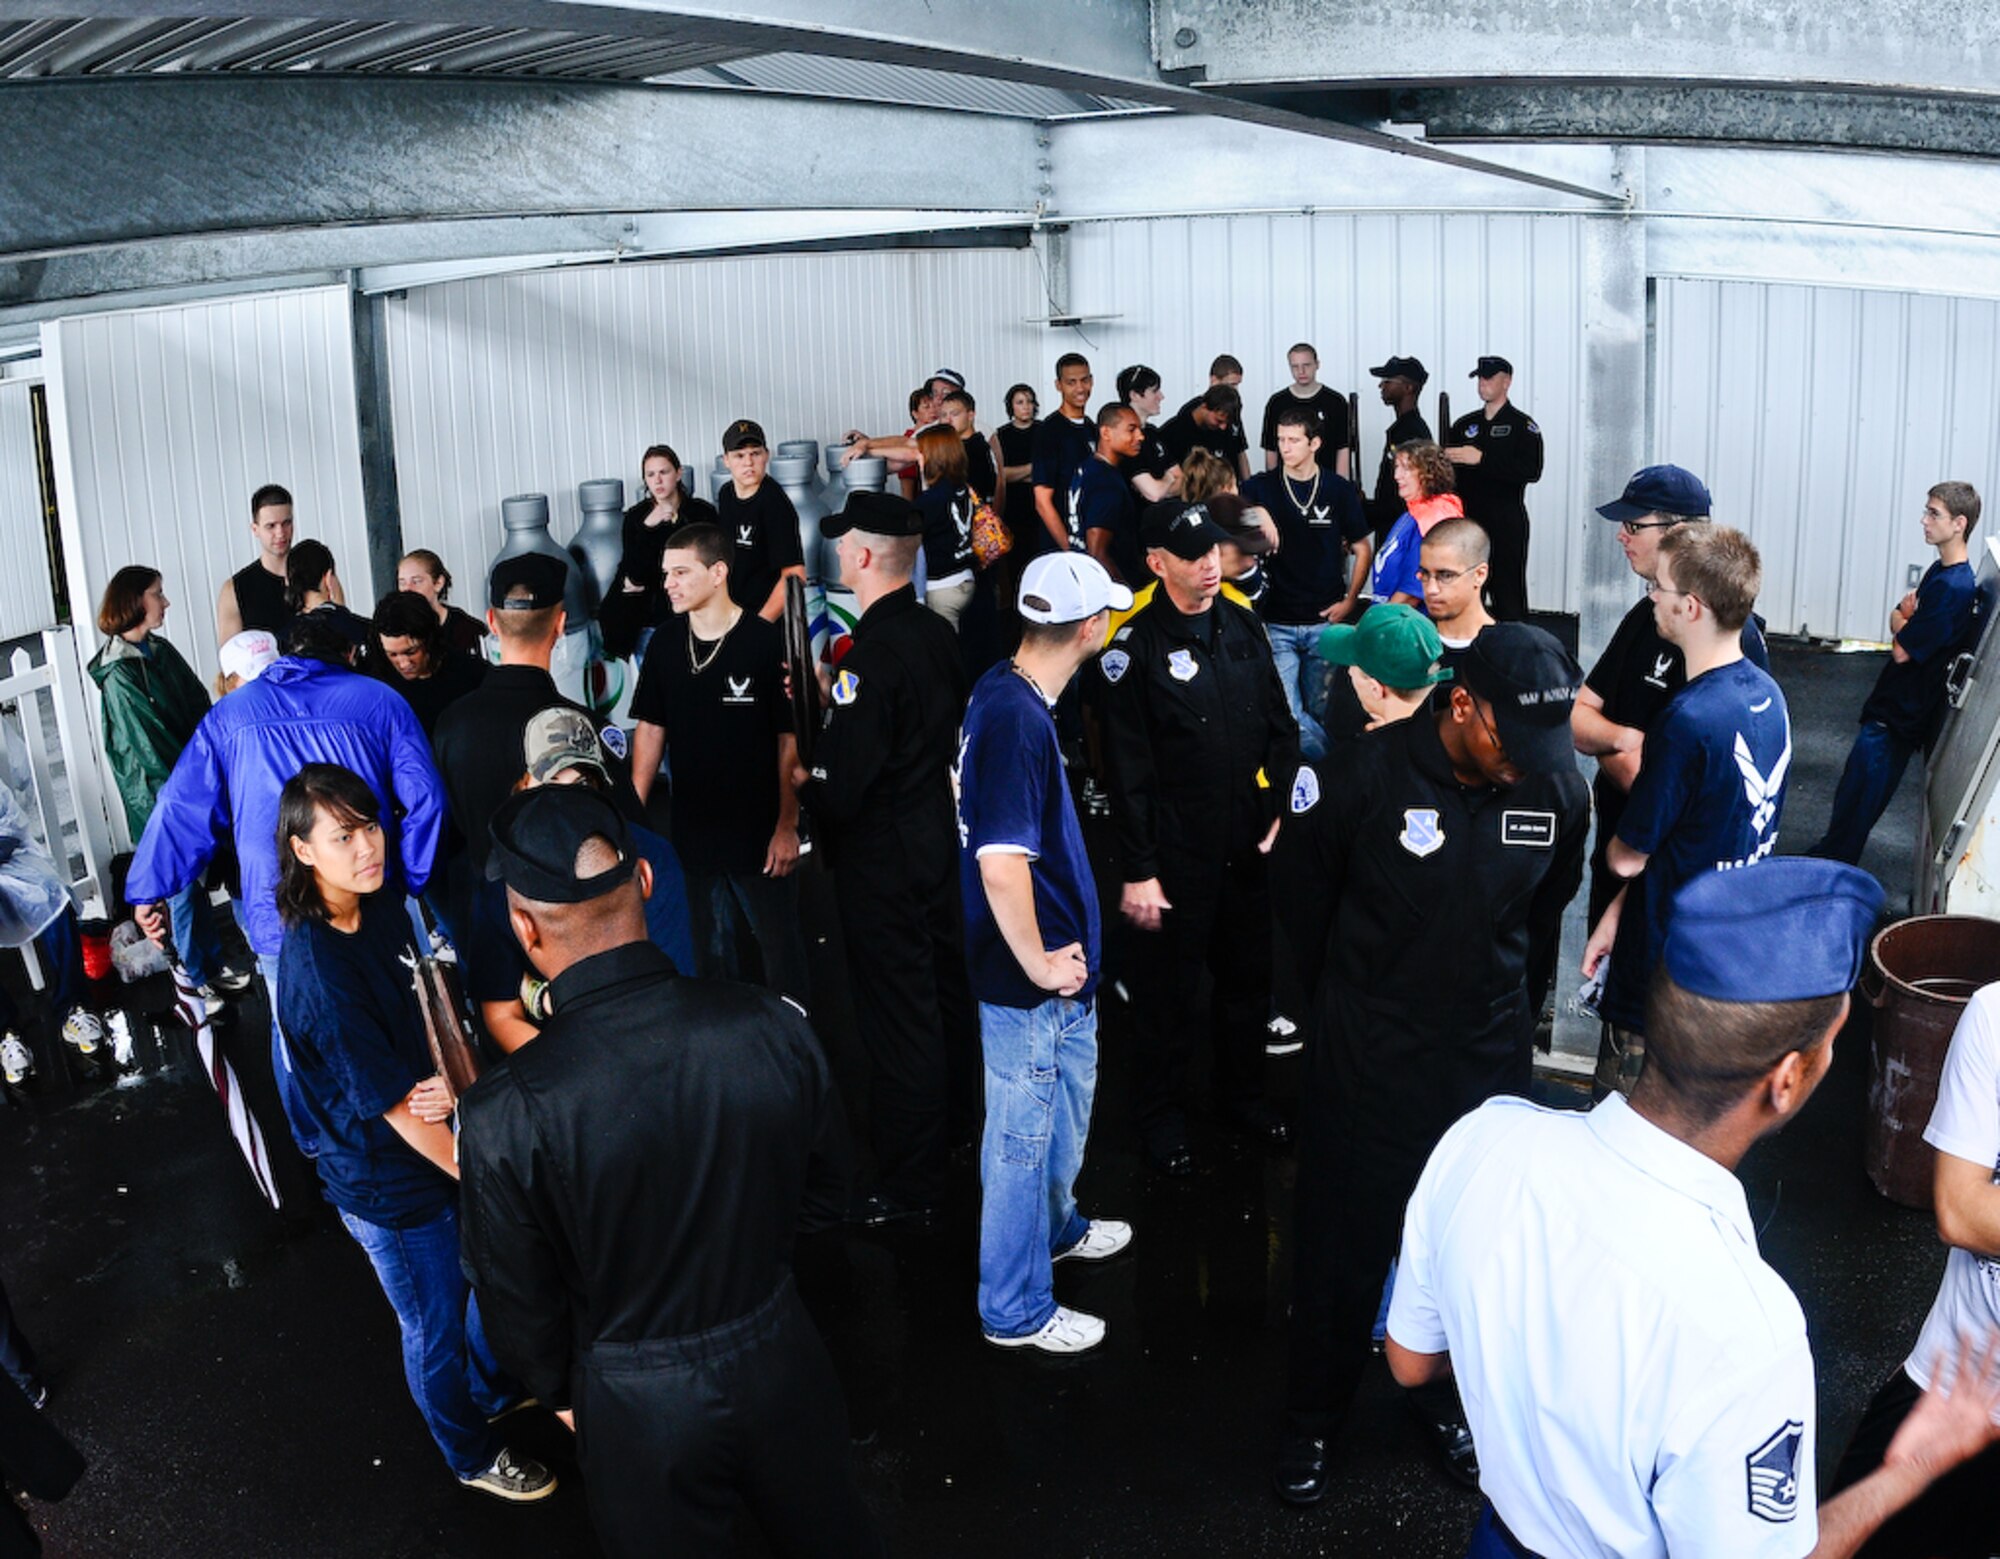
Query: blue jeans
<point x="723" y="907"/>
<point x="453" y="1375"/>
<point x="304" y="1133"/>
<point x="1296" y="650"/>
<point x="1041" y="1070"/>
<point x="1868" y="784"/>
<point x="194" y="933"/>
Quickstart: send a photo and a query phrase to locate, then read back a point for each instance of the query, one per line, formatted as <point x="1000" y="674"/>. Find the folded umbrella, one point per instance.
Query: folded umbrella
<point x="193" y="1011"/>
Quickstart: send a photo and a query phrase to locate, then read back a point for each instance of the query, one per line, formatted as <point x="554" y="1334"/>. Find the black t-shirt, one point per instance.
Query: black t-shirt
<point x="428" y="697"/>
<point x="722" y="724"/>
<point x="1332" y="408"/>
<point x="260" y="600"/>
<point x="981" y="474"/>
<point x="1017" y="448"/>
<point x="1182" y="434"/>
<point x="1386" y="507"/>
<point x="1315" y="520"/>
<point x="646" y="545"/>
<point x="1061" y="448"/>
<point x="764" y="528"/>
<point x="1099" y="499"/>
<point x="1152" y="460"/>
<point x="947" y="512"/>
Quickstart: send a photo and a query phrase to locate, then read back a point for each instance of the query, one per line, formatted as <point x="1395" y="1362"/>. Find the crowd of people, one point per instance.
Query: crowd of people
<point x="1278" y="688"/>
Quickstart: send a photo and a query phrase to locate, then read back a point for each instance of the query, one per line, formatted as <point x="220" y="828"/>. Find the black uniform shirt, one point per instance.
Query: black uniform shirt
<point x="1387" y="506"/>
<point x="1331" y="406"/>
<point x="477" y="748"/>
<point x="637" y="1172"/>
<point x="1193" y="713"/>
<point x="1410" y="888"/>
<point x="1181" y="433"/>
<point x="1510" y="458"/>
<point x="882" y="767"/>
<point x="764" y="529"/>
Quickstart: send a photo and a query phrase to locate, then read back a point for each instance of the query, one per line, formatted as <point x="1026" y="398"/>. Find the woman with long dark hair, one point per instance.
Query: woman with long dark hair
<point x="423" y="573"/>
<point x="411" y="654"/>
<point x="387" y="1159"/>
<point x="310" y="585"/>
<point x="637" y="603"/>
<point x="152" y="703"/>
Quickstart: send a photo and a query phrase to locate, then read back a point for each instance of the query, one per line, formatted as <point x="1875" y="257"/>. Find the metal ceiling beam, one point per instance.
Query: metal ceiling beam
<point x="1097" y="46"/>
<point x="1917" y="46"/>
<point x="98" y="164"/>
<point x="1692" y="114"/>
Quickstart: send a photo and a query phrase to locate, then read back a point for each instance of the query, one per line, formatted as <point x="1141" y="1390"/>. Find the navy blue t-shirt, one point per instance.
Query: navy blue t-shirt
<point x="1101" y="499"/>
<point x="495" y="964"/>
<point x="356" y="1036"/>
<point x="1012" y="797"/>
<point x="1316" y="520"/>
<point x="1061" y="448"/>
<point x="1710" y="791"/>
<point x="1909" y="695"/>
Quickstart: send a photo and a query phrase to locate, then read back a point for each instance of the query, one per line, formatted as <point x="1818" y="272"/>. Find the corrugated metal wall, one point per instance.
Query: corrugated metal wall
<point x="164" y="421"/>
<point x="1820" y="416"/>
<point x="27" y="600"/>
<point x="534" y="383"/>
<point x="1443" y="289"/>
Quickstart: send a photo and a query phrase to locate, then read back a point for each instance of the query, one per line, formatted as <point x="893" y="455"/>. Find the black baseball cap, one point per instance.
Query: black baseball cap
<point x="1230" y="512"/>
<point x="1402" y="368"/>
<point x="1487" y="367"/>
<point x="545" y="577"/>
<point x="1187" y="530"/>
<point x="537" y="833"/>
<point x="1659" y="490"/>
<point x="1531" y="683"/>
<point x="742" y="434"/>
<point x="881" y="514"/>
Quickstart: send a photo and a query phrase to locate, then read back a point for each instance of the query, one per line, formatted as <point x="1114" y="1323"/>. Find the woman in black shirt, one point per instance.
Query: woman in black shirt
<point x="638" y="603"/>
<point x="423" y="572"/>
<point x="411" y="654"/>
<point x="946" y="505"/>
<point x="309" y="591"/>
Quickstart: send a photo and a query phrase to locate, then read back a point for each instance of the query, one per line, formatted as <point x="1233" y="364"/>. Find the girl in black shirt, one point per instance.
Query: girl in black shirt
<point x="423" y="572"/>
<point x="946" y="505"/>
<point x="638" y="603"/>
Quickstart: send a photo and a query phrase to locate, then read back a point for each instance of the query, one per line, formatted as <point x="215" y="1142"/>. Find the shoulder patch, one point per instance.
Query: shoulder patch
<point x="1533" y="426"/>
<point x="1114" y="663"/>
<point x="1772" y="1471"/>
<point x="845" y="686"/>
<point x="1123" y="633"/>
<point x="614" y="740"/>
<point x="1305" y="789"/>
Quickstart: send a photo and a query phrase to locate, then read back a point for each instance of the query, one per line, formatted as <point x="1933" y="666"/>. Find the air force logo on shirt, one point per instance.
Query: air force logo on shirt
<point x="745" y="537"/>
<point x="1305" y="789"/>
<point x="739" y="691"/>
<point x="1772" y="1471"/>
<point x="613" y="739"/>
<point x="1421" y="835"/>
<point x="1762" y="790"/>
<point x="1115" y="664"/>
<point x="845" y="687"/>
<point x="1181" y="665"/>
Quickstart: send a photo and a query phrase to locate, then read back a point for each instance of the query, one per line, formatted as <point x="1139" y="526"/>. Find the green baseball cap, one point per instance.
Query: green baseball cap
<point x="1395" y="644"/>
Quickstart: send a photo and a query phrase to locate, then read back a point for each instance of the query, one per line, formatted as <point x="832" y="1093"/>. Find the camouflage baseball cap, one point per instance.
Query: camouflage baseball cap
<point x="561" y="738"/>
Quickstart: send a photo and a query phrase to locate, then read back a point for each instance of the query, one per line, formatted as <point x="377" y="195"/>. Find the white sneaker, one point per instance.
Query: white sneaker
<point x="1284" y="1037"/>
<point x="121" y="1036"/>
<point x="1067" y="1331"/>
<point x="15" y="1060"/>
<point x="82" y="1030"/>
<point x="1102" y="1239"/>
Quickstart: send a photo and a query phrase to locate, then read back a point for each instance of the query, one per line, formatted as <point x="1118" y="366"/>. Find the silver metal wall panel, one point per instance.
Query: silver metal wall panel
<point x="1441" y="288"/>
<point x="1820" y="416"/>
<point x="27" y="600"/>
<point x="534" y="383"/>
<point x="164" y="421"/>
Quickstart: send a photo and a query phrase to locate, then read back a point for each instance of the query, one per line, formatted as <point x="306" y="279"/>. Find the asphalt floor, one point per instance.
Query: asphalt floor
<point x="234" y="1376"/>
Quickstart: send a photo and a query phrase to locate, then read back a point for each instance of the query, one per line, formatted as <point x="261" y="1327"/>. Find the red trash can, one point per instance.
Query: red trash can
<point x="1920" y="974"/>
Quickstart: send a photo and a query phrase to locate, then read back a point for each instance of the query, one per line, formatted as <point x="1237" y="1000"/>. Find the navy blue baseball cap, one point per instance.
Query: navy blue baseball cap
<point x="1659" y="490"/>
<point x="1787" y="929"/>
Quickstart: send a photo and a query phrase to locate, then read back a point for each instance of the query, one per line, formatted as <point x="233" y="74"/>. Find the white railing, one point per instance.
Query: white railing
<point x="50" y="751"/>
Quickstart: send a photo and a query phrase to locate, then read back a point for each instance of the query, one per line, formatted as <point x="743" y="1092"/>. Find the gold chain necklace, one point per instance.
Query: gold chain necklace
<point x="1305" y="508"/>
<point x="698" y="664"/>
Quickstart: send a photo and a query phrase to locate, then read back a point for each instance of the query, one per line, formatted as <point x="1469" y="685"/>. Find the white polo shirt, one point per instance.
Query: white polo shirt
<point x="1637" y="1380"/>
<point x="1965" y="1124"/>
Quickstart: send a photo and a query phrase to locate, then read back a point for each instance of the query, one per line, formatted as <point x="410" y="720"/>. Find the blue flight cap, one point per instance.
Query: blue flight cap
<point x="1787" y="929"/>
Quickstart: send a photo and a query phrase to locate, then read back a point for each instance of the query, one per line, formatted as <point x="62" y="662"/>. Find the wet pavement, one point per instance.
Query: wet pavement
<point x="237" y="1382"/>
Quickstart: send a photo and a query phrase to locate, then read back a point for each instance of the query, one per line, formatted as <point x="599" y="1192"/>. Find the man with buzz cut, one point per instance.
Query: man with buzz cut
<point x="1035" y="953"/>
<point x="1064" y="442"/>
<point x="1452" y="569"/>
<point x="1328" y="405"/>
<point x="1906" y="708"/>
<point x="1711" y="787"/>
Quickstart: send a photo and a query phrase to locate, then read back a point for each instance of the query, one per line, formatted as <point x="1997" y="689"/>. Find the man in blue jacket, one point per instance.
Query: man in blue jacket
<point x="307" y="707"/>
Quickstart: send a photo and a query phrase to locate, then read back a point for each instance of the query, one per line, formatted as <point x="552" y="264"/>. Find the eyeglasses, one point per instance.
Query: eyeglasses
<point x="1441" y="576"/>
<point x="1654" y="587"/>
<point x="1633" y="527"/>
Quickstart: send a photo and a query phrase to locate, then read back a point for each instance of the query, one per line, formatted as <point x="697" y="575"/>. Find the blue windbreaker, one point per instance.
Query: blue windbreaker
<point x="231" y="773"/>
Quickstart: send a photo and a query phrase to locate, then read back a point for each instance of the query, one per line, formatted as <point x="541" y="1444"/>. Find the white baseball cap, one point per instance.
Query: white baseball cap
<point x="1068" y="587"/>
<point x="248" y="654"/>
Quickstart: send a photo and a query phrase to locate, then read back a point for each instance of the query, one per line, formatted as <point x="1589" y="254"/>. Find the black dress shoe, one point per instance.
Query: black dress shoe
<point x="1453" y="1441"/>
<point x="1172" y="1158"/>
<point x="1263" y="1124"/>
<point x="876" y="1211"/>
<point x="1300" y="1476"/>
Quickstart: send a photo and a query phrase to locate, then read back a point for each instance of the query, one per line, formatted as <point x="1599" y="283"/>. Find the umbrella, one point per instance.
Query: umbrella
<point x="193" y="1011"/>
